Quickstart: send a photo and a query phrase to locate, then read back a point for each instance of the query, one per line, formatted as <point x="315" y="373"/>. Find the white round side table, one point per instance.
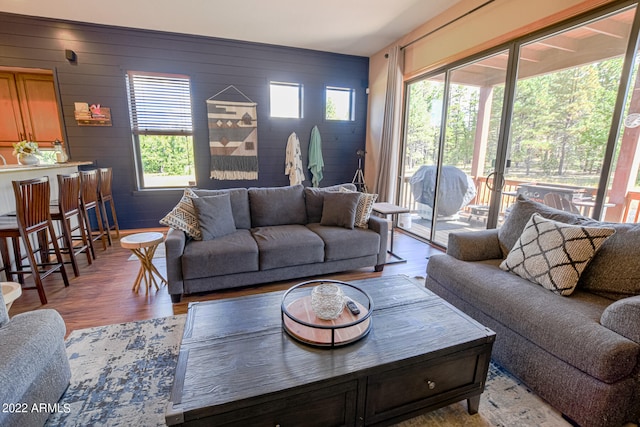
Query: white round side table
<point x="144" y="246"/>
<point x="11" y="291"/>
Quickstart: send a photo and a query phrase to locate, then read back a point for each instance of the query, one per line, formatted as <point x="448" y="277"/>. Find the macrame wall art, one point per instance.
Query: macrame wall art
<point x="233" y="137"/>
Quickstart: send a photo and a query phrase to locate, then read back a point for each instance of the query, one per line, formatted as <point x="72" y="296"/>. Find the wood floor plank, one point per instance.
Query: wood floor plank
<point x="102" y="294"/>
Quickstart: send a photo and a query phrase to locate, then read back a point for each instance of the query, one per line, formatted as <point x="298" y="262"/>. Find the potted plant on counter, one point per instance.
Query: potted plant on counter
<point x="27" y="152"/>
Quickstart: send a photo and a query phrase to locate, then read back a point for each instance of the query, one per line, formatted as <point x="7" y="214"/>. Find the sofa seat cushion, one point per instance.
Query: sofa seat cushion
<point x="287" y="245"/>
<point x="341" y="243"/>
<point x="569" y="328"/>
<point x="234" y="253"/>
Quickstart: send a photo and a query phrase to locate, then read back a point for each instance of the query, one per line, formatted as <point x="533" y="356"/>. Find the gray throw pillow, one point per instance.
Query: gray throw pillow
<point x="520" y="213"/>
<point x="239" y="204"/>
<point x="314" y="199"/>
<point x="215" y="216"/>
<point x="615" y="271"/>
<point x="339" y="209"/>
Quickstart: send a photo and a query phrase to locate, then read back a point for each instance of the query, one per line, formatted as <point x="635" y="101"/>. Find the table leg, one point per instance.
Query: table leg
<point x="147" y="269"/>
<point x="398" y="259"/>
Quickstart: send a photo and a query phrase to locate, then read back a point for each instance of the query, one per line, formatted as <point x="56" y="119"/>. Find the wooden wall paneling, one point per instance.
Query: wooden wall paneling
<point x="105" y="54"/>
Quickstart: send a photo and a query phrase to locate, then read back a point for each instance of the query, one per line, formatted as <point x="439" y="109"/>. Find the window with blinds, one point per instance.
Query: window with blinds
<point x="160" y="103"/>
<point x="161" y="122"/>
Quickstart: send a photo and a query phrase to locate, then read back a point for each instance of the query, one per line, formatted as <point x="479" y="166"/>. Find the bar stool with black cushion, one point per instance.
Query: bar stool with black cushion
<point x="35" y="228"/>
<point x="68" y="213"/>
<point x="89" y="202"/>
<point x="104" y="196"/>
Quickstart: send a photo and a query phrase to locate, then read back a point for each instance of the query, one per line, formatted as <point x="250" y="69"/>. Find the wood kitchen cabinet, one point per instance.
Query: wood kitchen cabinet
<point x="29" y="109"/>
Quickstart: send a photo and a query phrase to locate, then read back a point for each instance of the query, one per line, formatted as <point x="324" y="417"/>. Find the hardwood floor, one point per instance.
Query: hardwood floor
<point x="102" y="294"/>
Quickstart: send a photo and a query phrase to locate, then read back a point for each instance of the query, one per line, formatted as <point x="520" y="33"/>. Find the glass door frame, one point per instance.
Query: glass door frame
<point x="501" y="155"/>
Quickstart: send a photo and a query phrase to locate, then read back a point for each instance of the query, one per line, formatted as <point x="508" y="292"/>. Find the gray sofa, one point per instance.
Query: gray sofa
<point x="581" y="352"/>
<point x="278" y="233"/>
<point x="34" y="369"/>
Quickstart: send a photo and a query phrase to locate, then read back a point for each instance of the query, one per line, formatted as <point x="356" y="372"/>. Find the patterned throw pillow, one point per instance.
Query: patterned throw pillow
<point x="365" y="206"/>
<point x="183" y="217"/>
<point x="554" y="254"/>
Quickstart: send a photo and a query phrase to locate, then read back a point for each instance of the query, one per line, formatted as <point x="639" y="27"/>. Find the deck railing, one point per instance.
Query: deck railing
<point x="483" y="197"/>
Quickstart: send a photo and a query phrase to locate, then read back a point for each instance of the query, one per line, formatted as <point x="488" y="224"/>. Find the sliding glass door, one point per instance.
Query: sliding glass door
<point x="450" y="146"/>
<point x="554" y="117"/>
<point x="563" y="109"/>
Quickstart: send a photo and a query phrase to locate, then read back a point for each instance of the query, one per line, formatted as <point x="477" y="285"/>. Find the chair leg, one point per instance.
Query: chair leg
<point x="59" y="258"/>
<point x="87" y="231"/>
<point x="101" y="228"/>
<point x="68" y="241"/>
<point x="34" y="270"/>
<point x="83" y="235"/>
<point x="115" y="218"/>
<point x="105" y="220"/>
<point x="6" y="259"/>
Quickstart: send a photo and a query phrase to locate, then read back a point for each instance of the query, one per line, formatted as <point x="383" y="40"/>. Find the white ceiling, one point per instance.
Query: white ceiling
<point x="354" y="27"/>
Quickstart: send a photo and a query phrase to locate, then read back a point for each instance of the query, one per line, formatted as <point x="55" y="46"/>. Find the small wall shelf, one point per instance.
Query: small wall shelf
<point x="103" y="120"/>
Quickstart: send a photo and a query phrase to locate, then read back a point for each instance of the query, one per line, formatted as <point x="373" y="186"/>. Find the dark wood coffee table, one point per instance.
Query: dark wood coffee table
<point x="238" y="367"/>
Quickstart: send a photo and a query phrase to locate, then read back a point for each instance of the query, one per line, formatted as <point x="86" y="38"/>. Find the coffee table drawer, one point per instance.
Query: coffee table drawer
<point x="421" y="385"/>
<point x="331" y="406"/>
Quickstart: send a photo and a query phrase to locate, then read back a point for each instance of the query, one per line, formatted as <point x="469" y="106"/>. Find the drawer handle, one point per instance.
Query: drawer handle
<point x="430" y="384"/>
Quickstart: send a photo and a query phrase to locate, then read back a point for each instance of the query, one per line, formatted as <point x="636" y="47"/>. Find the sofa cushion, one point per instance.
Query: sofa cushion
<point x="214" y="215"/>
<point x="340" y="243"/>
<point x="615" y="270"/>
<point x="565" y="327"/>
<point x="519" y="215"/>
<point x="183" y="216"/>
<point x="287" y="245"/>
<point x="365" y="206"/>
<point x="277" y="206"/>
<point x="239" y="204"/>
<point x="233" y="253"/>
<point x="339" y="209"/>
<point x="554" y="254"/>
<point x="314" y="199"/>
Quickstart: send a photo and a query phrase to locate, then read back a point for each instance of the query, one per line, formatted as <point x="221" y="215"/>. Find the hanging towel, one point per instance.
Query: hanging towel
<point x="293" y="161"/>
<point x="316" y="163"/>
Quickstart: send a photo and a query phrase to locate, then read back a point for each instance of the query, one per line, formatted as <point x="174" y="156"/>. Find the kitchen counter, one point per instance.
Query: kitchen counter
<point x="9" y="173"/>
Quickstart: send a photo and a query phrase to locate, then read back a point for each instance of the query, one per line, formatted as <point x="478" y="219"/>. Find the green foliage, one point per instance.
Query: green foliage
<point x="166" y="154"/>
<point x="559" y="126"/>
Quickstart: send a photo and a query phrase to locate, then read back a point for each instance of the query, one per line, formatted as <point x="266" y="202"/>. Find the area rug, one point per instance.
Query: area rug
<point x="122" y="376"/>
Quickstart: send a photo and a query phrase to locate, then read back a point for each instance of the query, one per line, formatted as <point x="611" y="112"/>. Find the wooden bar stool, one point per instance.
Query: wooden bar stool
<point x="68" y="213"/>
<point x="34" y="226"/>
<point x="89" y="202"/>
<point x="104" y="196"/>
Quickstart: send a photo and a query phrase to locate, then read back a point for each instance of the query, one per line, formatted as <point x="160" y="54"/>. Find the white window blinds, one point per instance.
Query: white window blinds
<point x="159" y="103"/>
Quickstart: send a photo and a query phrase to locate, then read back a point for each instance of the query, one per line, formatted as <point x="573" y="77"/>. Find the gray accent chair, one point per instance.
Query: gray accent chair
<point x="278" y="236"/>
<point x="34" y="369"/>
<point x="580" y="353"/>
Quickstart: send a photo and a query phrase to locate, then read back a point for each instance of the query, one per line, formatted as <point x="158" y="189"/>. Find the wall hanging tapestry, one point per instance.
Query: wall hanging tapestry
<point x="233" y="138"/>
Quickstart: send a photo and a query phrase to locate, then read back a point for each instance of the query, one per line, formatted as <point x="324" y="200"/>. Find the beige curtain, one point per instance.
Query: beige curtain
<point x="387" y="172"/>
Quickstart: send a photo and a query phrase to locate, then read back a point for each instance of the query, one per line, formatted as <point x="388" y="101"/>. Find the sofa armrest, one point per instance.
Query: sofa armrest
<point x="623" y="317"/>
<point x="174" y="244"/>
<point x="474" y="245"/>
<point x="380" y="226"/>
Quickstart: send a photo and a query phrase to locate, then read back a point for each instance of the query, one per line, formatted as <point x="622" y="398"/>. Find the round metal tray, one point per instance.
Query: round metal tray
<point x="301" y="323"/>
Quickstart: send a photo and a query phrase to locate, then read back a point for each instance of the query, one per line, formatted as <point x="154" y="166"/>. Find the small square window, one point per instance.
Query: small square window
<point x="340" y="103"/>
<point x="286" y="100"/>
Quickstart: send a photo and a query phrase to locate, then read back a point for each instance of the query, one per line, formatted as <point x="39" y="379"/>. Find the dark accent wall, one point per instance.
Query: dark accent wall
<point x="105" y="54"/>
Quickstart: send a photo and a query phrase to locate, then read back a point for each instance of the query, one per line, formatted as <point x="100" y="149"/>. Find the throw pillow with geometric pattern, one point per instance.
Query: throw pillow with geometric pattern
<point x="554" y="254"/>
<point x="183" y="216"/>
<point x="365" y="206"/>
